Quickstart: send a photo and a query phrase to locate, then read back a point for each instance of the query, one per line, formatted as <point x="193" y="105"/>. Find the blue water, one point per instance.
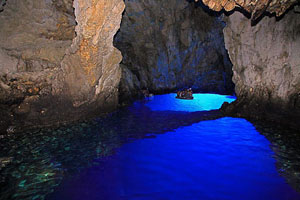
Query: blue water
<point x="220" y="159"/>
<point x="201" y="102"/>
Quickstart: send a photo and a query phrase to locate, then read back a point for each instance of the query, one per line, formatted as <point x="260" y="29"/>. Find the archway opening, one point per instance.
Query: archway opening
<point x="170" y="46"/>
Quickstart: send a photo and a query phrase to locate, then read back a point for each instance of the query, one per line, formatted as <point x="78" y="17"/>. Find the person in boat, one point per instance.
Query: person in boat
<point x="190" y="93"/>
<point x="185" y="94"/>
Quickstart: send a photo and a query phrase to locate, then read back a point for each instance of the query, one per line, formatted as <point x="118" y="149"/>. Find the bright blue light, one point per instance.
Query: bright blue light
<point x="224" y="159"/>
<point x="201" y="102"/>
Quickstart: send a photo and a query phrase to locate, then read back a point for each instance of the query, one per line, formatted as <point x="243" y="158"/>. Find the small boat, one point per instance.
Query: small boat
<point x="185" y="94"/>
<point x="187" y="98"/>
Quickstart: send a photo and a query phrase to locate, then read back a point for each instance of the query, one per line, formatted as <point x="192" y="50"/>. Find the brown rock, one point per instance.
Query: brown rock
<point x="40" y="55"/>
<point x="256" y="8"/>
<point x="265" y="64"/>
<point x="91" y="67"/>
<point x="23" y="108"/>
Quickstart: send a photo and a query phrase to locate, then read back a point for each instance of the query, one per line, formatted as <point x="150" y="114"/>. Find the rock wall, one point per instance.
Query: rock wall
<point x="169" y="45"/>
<point x="91" y="65"/>
<point x="266" y="65"/>
<point x="2" y="4"/>
<point x="255" y="8"/>
<point x="57" y="64"/>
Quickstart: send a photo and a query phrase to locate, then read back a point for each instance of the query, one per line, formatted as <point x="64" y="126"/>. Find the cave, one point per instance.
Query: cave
<point x="89" y="110"/>
<point x="168" y="46"/>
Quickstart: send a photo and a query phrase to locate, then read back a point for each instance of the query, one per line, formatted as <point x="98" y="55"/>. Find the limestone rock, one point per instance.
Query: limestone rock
<point x="266" y="64"/>
<point x="91" y="66"/>
<point x="256" y="8"/>
<point x="34" y="38"/>
<point x="51" y="70"/>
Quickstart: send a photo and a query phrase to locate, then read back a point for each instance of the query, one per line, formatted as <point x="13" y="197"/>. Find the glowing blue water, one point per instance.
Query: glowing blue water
<point x="219" y="159"/>
<point x="201" y="102"/>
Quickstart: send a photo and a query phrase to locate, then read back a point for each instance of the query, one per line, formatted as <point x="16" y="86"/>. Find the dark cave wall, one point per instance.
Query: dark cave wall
<point x="266" y="65"/>
<point x="169" y="45"/>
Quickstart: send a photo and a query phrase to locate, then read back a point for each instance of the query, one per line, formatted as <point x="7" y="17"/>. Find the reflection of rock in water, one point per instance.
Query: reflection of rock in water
<point x="43" y="157"/>
<point x="285" y="144"/>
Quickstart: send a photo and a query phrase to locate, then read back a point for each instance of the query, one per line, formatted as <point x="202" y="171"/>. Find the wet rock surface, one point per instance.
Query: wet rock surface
<point x="169" y="45"/>
<point x="265" y="67"/>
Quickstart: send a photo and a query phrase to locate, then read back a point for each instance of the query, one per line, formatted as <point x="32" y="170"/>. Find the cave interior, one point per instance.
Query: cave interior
<point x="64" y="62"/>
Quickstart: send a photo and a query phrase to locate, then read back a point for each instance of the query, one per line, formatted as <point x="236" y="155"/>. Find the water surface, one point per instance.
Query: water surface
<point x="201" y="102"/>
<point x="158" y="148"/>
<point x="221" y="159"/>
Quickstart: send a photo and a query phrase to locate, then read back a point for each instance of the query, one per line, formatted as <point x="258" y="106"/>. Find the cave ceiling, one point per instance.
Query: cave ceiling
<point x="255" y="7"/>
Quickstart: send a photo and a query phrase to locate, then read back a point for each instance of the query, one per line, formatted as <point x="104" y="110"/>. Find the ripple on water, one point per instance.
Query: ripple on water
<point x="102" y="158"/>
<point x="220" y="159"/>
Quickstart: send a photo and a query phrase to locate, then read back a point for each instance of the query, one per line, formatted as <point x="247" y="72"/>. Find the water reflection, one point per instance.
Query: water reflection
<point x="201" y="102"/>
<point x="221" y="159"/>
<point x="41" y="159"/>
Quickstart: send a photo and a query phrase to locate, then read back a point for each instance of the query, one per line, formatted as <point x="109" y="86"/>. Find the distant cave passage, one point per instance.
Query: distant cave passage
<point x="172" y="45"/>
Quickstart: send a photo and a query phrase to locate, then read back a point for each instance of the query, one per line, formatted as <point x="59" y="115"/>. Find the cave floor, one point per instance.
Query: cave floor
<point x="157" y="148"/>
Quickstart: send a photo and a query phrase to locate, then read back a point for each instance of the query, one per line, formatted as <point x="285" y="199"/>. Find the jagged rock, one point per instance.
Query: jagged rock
<point x="34" y="38"/>
<point x="256" y="8"/>
<point x="266" y="64"/>
<point x="169" y="45"/>
<point x="91" y="66"/>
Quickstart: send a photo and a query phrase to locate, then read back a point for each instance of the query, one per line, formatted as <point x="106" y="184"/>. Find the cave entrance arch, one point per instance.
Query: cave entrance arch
<point x="173" y="45"/>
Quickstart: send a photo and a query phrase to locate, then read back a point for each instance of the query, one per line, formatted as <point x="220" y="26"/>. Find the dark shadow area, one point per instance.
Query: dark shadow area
<point x="171" y="46"/>
<point x="285" y="144"/>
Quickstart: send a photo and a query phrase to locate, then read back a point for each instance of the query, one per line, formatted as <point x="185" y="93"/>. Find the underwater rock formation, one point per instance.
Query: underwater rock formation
<point x="266" y="66"/>
<point x="169" y="45"/>
<point x="51" y="71"/>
